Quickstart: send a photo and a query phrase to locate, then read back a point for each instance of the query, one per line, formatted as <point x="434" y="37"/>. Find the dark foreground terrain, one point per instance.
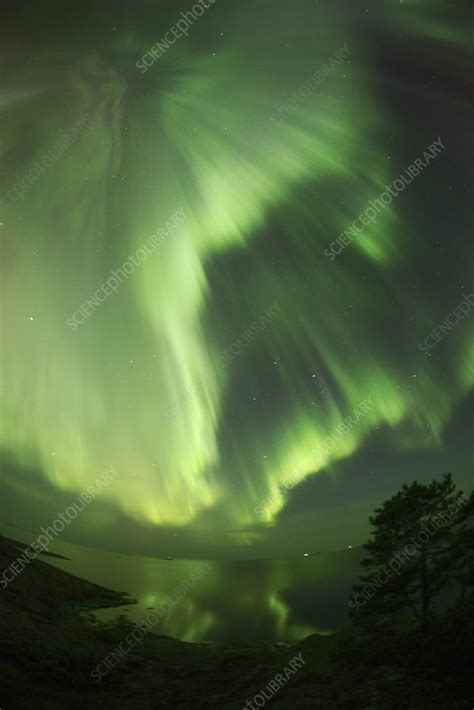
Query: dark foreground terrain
<point x="48" y="650"/>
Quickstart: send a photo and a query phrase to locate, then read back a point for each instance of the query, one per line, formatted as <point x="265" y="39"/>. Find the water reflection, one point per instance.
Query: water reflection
<point x="248" y="601"/>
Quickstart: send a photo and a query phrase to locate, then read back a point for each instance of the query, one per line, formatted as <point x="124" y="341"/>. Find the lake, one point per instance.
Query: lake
<point x="241" y="601"/>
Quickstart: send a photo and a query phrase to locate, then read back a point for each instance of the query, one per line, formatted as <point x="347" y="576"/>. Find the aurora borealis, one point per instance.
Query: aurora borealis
<point x="266" y="180"/>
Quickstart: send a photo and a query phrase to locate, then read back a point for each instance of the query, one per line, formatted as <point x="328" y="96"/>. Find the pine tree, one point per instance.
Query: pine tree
<point x="421" y="545"/>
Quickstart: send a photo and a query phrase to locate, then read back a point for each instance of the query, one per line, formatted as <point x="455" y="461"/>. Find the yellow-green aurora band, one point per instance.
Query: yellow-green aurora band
<point x="261" y="201"/>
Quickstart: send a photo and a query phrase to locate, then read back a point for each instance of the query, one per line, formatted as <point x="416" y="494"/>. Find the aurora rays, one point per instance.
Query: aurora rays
<point x="261" y="201"/>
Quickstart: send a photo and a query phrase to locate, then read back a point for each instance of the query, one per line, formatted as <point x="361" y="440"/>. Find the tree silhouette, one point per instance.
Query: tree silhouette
<point x="421" y="545"/>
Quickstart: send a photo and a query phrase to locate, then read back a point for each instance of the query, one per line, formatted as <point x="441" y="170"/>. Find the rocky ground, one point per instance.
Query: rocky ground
<point x="48" y="650"/>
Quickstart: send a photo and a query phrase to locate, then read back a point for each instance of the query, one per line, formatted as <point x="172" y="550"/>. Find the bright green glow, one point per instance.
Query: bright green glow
<point x="73" y="403"/>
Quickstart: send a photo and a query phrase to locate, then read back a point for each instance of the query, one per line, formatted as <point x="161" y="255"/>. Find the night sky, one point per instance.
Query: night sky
<point x="224" y="378"/>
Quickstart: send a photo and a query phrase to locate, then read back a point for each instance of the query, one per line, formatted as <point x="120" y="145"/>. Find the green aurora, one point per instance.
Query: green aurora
<point x="203" y="414"/>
